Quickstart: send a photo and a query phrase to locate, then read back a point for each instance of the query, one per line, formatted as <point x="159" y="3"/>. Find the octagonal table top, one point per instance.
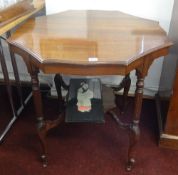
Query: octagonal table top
<point x="90" y="37"/>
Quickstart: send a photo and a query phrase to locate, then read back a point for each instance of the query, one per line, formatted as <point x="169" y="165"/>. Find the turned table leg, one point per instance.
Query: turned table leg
<point x="39" y="112"/>
<point x="43" y="126"/>
<point x="134" y="132"/>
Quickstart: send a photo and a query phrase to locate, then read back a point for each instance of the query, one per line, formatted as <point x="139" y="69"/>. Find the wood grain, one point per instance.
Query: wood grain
<point x="114" y="37"/>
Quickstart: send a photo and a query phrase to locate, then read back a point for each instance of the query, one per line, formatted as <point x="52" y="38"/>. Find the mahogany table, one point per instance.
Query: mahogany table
<point x="90" y="43"/>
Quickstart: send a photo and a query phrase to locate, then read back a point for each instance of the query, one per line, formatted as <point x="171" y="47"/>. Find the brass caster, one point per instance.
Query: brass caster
<point x="44" y="161"/>
<point x="130" y="164"/>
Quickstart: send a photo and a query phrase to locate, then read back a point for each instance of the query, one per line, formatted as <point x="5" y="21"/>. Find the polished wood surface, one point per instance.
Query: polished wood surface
<point x="90" y="38"/>
<point x="18" y="12"/>
<point x="172" y="118"/>
<point x="90" y="43"/>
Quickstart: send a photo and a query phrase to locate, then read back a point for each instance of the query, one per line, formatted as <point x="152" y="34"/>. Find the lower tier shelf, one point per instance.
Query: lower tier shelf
<point x="86" y="92"/>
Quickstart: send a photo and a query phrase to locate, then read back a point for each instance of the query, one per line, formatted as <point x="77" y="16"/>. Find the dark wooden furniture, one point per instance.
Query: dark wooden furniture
<point x="168" y="119"/>
<point x="90" y="43"/>
<point x="10" y="17"/>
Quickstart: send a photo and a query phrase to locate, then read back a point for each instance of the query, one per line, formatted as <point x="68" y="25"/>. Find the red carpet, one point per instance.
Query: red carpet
<point x="83" y="149"/>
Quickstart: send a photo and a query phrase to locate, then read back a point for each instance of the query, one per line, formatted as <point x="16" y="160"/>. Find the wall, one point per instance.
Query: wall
<point x="159" y="10"/>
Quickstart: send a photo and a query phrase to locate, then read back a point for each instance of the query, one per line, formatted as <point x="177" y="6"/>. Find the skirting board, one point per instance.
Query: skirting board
<point x="168" y="141"/>
<point x="149" y="92"/>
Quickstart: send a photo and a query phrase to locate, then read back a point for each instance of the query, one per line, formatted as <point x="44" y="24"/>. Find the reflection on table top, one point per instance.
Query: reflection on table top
<point x="90" y="37"/>
<point x="18" y="12"/>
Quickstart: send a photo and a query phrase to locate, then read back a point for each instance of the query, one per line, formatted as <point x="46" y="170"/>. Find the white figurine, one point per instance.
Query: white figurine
<point x="84" y="96"/>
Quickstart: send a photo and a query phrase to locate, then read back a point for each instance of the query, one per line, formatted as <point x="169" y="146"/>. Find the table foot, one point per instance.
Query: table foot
<point x="43" y="128"/>
<point x="134" y="133"/>
<point x="44" y="160"/>
<point x="130" y="164"/>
